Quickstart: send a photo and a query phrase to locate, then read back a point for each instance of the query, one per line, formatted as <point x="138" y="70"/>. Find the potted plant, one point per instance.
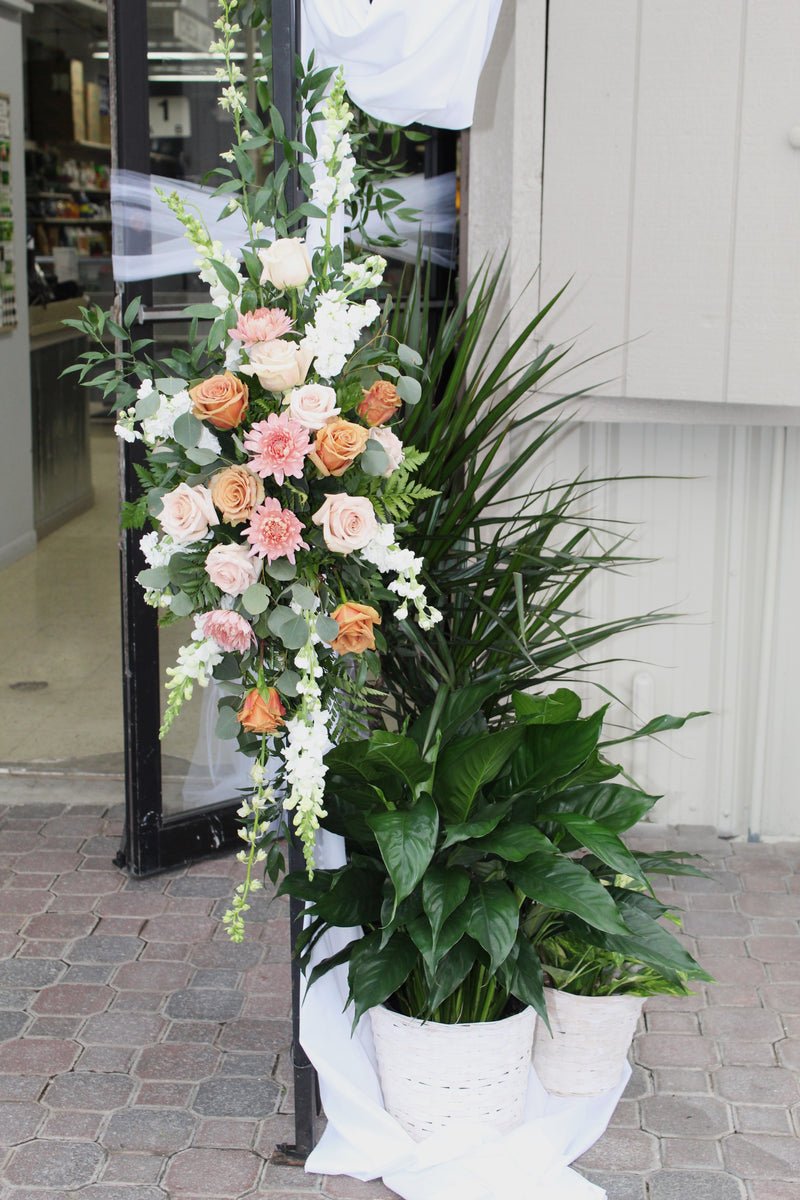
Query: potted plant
<point x="457" y="832"/>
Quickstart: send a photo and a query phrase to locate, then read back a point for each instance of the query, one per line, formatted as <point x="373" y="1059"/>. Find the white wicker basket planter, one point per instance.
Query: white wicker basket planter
<point x="591" y="1037"/>
<point x="433" y="1074"/>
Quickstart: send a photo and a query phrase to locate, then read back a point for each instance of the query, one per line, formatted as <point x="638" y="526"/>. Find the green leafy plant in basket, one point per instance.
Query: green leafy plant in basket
<point x="455" y="833"/>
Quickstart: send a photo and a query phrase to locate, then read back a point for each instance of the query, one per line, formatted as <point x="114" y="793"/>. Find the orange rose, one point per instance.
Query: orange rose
<point x="221" y="400"/>
<point x="355" y="623"/>
<point x="261" y="713"/>
<point x="380" y="403"/>
<point x="337" y="445"/>
<point x="236" y="492"/>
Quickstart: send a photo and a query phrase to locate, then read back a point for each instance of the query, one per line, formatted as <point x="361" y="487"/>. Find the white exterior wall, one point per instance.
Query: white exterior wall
<point x="663" y="183"/>
<point x="17" y="535"/>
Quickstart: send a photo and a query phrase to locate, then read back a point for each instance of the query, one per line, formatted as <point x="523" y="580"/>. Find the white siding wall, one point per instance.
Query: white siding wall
<point x="669" y="193"/>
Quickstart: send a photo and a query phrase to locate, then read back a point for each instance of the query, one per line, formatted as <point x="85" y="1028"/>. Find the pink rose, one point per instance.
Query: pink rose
<point x="391" y="444"/>
<point x="231" y="568"/>
<point x="286" y="263"/>
<point x="313" y="405"/>
<point x="348" y="522"/>
<point x="187" y="513"/>
<point x="278" y="365"/>
<point x="228" y="629"/>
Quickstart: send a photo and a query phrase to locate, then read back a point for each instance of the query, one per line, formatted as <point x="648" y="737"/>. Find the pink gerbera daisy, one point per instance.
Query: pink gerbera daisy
<point x="263" y="325"/>
<point x="274" y="532"/>
<point x="228" y="629"/>
<point x="278" y="447"/>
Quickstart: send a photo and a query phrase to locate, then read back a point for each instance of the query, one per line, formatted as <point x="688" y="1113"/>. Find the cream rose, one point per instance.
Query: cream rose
<point x="278" y="365"/>
<point x="231" y="568"/>
<point x="237" y="492"/>
<point x="348" y="522"/>
<point x="313" y="405"/>
<point x="391" y="444"/>
<point x="187" y="513"/>
<point x="286" y="263"/>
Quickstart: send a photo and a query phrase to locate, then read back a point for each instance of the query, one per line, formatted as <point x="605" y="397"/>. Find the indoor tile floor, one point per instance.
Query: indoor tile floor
<point x="144" y="1057"/>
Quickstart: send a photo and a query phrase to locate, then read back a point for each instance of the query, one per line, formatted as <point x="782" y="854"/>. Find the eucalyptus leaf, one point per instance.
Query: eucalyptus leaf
<point x="170" y="386"/>
<point x="201" y="455"/>
<point x="154" y="577"/>
<point x="181" y="604"/>
<point x="303" y="596"/>
<point x="147" y="406"/>
<point x="280" y="569"/>
<point x="374" y="460"/>
<point x="411" y="357"/>
<point x="256" y="598"/>
<point x="227" y="726"/>
<point x="327" y="628"/>
<point x="409" y="389"/>
<point x="187" y="430"/>
<point x="287" y="682"/>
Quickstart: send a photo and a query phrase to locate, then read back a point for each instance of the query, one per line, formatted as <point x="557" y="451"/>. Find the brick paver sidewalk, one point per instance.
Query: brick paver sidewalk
<point x="143" y="1057"/>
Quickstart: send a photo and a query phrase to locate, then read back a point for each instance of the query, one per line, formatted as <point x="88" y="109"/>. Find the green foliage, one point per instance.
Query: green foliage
<point x="468" y="850"/>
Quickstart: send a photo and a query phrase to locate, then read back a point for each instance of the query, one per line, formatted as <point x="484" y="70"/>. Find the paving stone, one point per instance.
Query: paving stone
<point x="764" y="1085"/>
<point x="783" y="997"/>
<point x="212" y="886"/>
<point x="57" y="1027"/>
<point x="690" y="1003"/>
<point x="732" y="997"/>
<point x="38" y="1056"/>
<point x="65" y="999"/>
<point x="748" y="1024"/>
<point x="15" y="999"/>
<point x="761" y="1118"/>
<point x="255" y="1066"/>
<point x="207" y="1172"/>
<point x="204" y="1004"/>
<point x="119" y="926"/>
<point x="167" y="929"/>
<point x="769" y="904"/>
<point x="691" y="1152"/>
<point x="745" y="1054"/>
<point x="160" y="977"/>
<point x="131" y="904"/>
<point x="204" y="1032"/>
<point x="256" y="1035"/>
<point x="622" y="1150"/>
<point x="18" y="1121"/>
<point x="79" y="1126"/>
<point x="61" y="1164"/>
<point x="98" y="949"/>
<point x="762" y="881"/>
<point x="164" y="951"/>
<point x="130" y="1167"/>
<point x="716" y="924"/>
<point x="176" y="1062"/>
<point x="110" y="1059"/>
<point x="111" y="1191"/>
<point x="762" y="1155"/>
<point x="671" y="1022"/>
<point x="695" y="1185"/>
<point x="157" y="1130"/>
<point x="675" y="1050"/>
<point x="235" y="956"/>
<point x="88" y="883"/>
<point x="12" y="1024"/>
<point x="717" y="881"/>
<point x="617" y="1185"/>
<point x="47" y="862"/>
<point x="207" y="977"/>
<point x="735" y="970"/>
<point x="787" y="972"/>
<point x="294" y="1182"/>
<point x="30" y="972"/>
<point x="129" y="1001"/>
<point x="685" y="1117"/>
<point x="227" y="1134"/>
<point x="122" y="1029"/>
<point x="94" y="1092"/>
<point x="234" y="1096"/>
<point x="680" y="1081"/>
<point x="60" y="925"/>
<point x="87" y="973"/>
<point x="771" y="1189"/>
<point x="337" y="1187"/>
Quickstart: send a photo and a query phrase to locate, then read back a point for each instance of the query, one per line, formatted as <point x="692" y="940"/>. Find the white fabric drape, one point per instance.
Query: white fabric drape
<point x="466" y="1163"/>
<point x="405" y="60"/>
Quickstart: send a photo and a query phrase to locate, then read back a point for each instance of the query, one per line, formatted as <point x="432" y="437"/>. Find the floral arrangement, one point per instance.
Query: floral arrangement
<point x="275" y="478"/>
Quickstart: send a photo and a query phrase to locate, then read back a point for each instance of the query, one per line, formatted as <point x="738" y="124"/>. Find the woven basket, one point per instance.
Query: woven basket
<point x="433" y="1074"/>
<point x="591" y="1037"/>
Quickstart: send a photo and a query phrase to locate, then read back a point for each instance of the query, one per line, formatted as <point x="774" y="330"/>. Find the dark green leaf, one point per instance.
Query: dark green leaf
<point x="561" y="705"/>
<point x="493" y="920"/>
<point x="443" y="890"/>
<point x="377" y="972"/>
<point x="564" y="885"/>
<point x="407" y="840"/>
<point x="464" y="767"/>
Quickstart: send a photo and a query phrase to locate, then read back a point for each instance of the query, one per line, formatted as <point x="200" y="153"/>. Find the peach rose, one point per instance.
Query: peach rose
<point x="380" y="403"/>
<point x="278" y="365"/>
<point x="286" y="263"/>
<point x="337" y="446"/>
<point x="313" y="405"/>
<point x="261" y="713"/>
<point x="237" y="493"/>
<point x="392" y="445"/>
<point x="230" y="567"/>
<point x="187" y="512"/>
<point x="356" y="633"/>
<point x="348" y="522"/>
<point x="221" y="400"/>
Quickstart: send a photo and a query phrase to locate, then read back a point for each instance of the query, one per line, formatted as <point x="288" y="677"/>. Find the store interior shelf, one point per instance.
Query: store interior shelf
<point x="71" y="220"/>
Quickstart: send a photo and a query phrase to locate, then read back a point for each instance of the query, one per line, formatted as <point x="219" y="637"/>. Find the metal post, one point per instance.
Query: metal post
<point x="285" y="46"/>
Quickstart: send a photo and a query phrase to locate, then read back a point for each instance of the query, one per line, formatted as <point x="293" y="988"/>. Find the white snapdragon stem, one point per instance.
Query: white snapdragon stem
<point x="385" y="554"/>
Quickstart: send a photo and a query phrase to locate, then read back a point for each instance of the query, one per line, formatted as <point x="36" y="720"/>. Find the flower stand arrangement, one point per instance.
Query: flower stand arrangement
<point x="338" y="495"/>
